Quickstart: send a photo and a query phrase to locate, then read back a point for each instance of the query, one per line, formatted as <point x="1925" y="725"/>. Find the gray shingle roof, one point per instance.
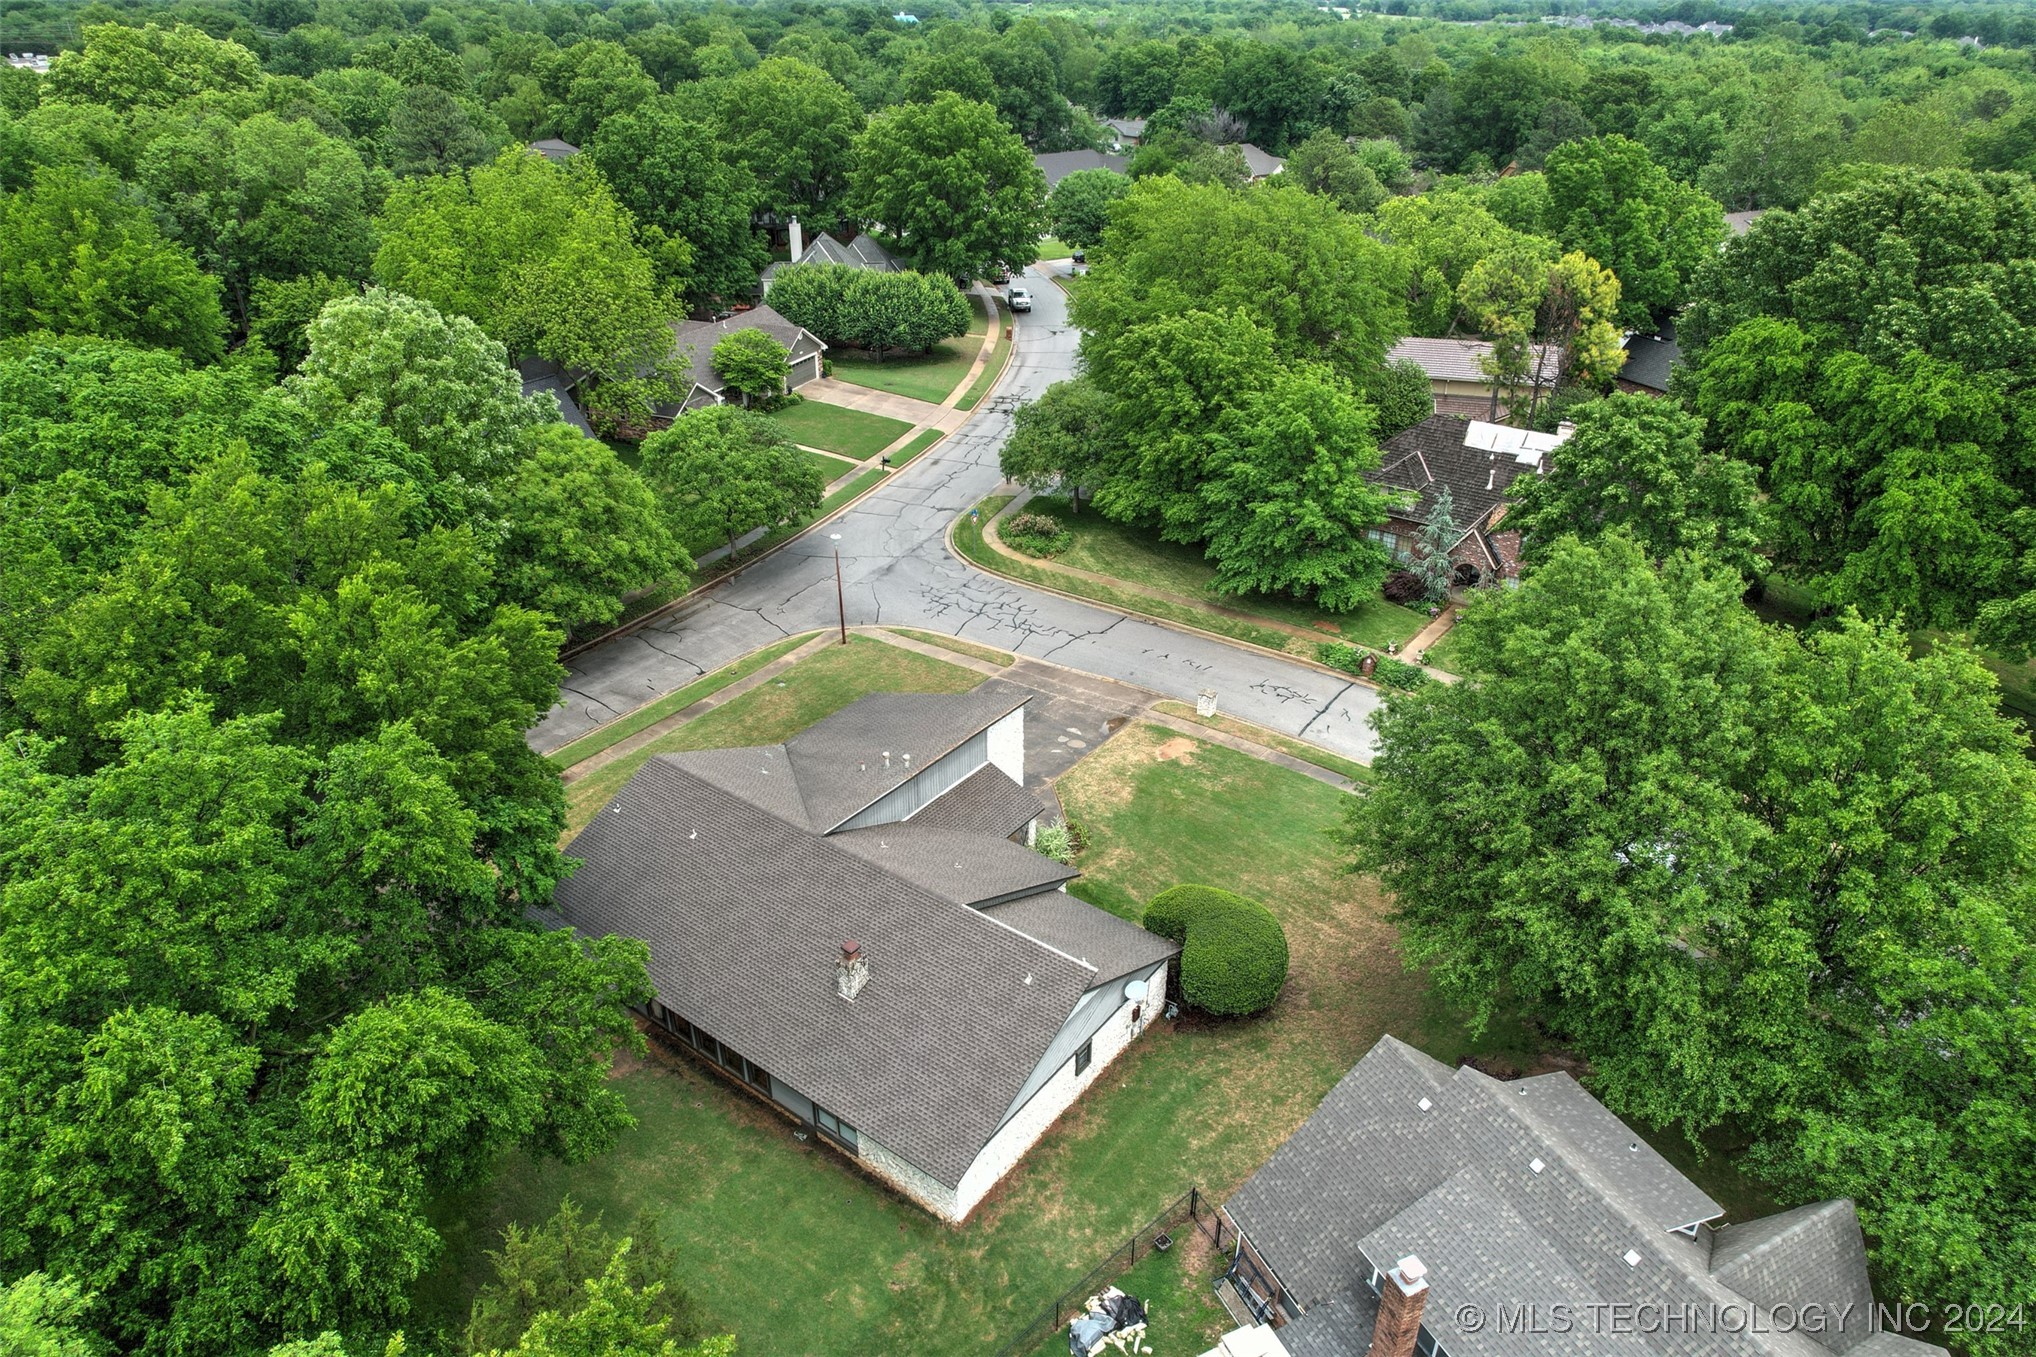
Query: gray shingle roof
<point x="1110" y="944"/>
<point x="1058" y="165"/>
<point x="1650" y="358"/>
<point x="1257" y="163"/>
<point x="551" y="148"/>
<point x="969" y="869"/>
<point x="693" y="342"/>
<point x="987" y="801"/>
<point x="1126" y="127"/>
<point x="745" y="914"/>
<point x="1431" y="454"/>
<point x="1456" y="360"/>
<point x="1373" y="1176"/>
<point x="1812" y="1255"/>
<point x="841" y="762"/>
<point x="861" y="253"/>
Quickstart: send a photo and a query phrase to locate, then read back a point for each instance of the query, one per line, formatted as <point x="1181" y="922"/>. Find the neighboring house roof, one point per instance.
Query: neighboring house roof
<point x="1527" y="1193"/>
<point x="716" y="860"/>
<point x="694" y="342"/>
<point x="1259" y="164"/>
<point x="1126" y="127"/>
<point x="1456" y="360"/>
<point x="1650" y="358"/>
<point x="541" y="374"/>
<point x="861" y="253"/>
<point x="551" y="148"/>
<point x="1739" y="222"/>
<point x="1058" y="165"/>
<point x="1422" y="459"/>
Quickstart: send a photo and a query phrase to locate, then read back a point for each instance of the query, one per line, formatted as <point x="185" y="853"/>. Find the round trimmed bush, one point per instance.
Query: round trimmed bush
<point x="1233" y="951"/>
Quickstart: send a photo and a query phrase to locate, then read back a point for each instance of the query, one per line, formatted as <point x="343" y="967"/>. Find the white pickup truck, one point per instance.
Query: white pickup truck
<point x="1019" y="298"/>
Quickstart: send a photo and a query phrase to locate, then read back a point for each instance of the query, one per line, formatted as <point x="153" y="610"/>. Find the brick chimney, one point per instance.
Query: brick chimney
<point x="798" y="240"/>
<point x="1403" y="1292"/>
<point x="852" y="973"/>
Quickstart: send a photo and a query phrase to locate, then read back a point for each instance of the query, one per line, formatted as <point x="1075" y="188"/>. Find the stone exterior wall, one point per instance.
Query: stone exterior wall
<point x="923" y="1188"/>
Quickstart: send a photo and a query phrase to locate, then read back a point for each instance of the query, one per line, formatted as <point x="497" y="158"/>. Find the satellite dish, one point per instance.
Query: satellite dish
<point x="1134" y="991"/>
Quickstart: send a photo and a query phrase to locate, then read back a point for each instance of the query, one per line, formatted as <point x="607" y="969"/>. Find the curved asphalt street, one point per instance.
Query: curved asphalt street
<point x="898" y="572"/>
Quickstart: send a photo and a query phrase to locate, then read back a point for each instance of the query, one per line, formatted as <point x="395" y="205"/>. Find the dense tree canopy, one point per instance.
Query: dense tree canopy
<point x="1790" y="870"/>
<point x="953" y="185"/>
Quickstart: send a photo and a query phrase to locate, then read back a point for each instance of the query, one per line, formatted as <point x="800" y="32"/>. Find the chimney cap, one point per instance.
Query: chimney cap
<point x="1411" y="1268"/>
<point x="850" y="949"/>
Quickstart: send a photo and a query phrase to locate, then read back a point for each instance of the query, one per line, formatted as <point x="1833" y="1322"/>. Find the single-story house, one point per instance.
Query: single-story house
<point x="1478" y="462"/>
<point x="1458" y="382"/>
<point x="850" y="926"/>
<point x="863" y="252"/>
<point x="1125" y="132"/>
<point x="1649" y="360"/>
<point x="1258" y="164"/>
<point x="543" y="375"/>
<point x="693" y="353"/>
<point x="1425" y="1210"/>
<point x="1058" y="165"/>
<point x="554" y="150"/>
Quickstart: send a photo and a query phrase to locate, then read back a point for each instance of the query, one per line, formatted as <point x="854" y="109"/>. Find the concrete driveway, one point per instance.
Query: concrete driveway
<point x="897" y="571"/>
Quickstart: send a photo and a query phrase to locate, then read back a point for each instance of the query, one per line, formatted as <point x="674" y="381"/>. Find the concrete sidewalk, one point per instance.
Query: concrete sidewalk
<point x="834" y="391"/>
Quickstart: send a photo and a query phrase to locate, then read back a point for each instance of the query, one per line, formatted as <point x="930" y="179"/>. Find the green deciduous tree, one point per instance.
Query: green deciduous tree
<point x="953" y="185"/>
<point x="1066" y="437"/>
<point x="1609" y="199"/>
<point x="793" y="127"/>
<point x="723" y="471"/>
<point x="1400" y="396"/>
<point x="1748" y="874"/>
<point x="1078" y="209"/>
<point x="1638" y="464"/>
<point x="77" y="257"/>
<point x="752" y="364"/>
<point x="1325" y="290"/>
<point x="581" y="531"/>
<point x="44" y="1316"/>
<point x="1441" y="237"/>
<point x="667" y="169"/>
<point x="545" y="260"/>
<point x="151" y="67"/>
<point x="1324" y="164"/>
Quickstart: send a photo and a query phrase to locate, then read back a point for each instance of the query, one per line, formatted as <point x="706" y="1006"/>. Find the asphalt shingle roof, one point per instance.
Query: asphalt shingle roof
<point x="1431" y="454"/>
<point x="745" y="914"/>
<point x="841" y="761"/>
<point x="1511" y="1194"/>
<point x="1058" y="165"/>
<point x="1110" y="944"/>
<point x="1456" y="360"/>
<point x="541" y="375"/>
<point x="953" y="864"/>
<point x="693" y="342"/>
<point x="987" y="801"/>
<point x="1650" y="358"/>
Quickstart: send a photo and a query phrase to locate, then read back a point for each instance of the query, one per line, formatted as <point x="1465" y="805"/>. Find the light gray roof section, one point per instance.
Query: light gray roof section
<point x="1126" y="127"/>
<point x="1887" y="1344"/>
<point x="1812" y="1255"/>
<point x="1611" y="1153"/>
<point x="693" y="342"/>
<point x="551" y="148"/>
<point x="987" y="801"/>
<point x="841" y="762"/>
<point x="1456" y="360"/>
<point x="745" y="914"/>
<point x="861" y="253"/>
<point x="1258" y="164"/>
<point x="761" y="775"/>
<point x="1114" y="946"/>
<point x="955" y="865"/>
<point x="1058" y="165"/>
<point x="1739" y="223"/>
<point x="1336" y="1326"/>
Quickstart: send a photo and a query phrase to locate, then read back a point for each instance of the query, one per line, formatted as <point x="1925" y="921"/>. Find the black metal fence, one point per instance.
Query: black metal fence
<point x="1191" y="1210"/>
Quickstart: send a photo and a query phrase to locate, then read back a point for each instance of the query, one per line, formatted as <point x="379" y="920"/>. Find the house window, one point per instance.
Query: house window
<point x="1084" y="1054"/>
<point x="756" y="1074"/>
<point x="835" y="1129"/>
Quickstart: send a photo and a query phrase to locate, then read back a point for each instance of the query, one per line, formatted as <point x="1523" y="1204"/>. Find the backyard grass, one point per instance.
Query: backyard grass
<point x="817" y="686"/>
<point x="673" y="702"/>
<point x="928" y="376"/>
<point x="1137" y="556"/>
<point x="1182" y="1315"/>
<point x="1271" y="739"/>
<point x="786" y="1246"/>
<point x="956" y="644"/>
<point x="926" y="439"/>
<point x="852" y="433"/>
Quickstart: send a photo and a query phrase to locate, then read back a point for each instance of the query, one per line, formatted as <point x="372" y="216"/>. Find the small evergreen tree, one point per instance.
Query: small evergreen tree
<point x="1437" y="537"/>
<point x="556" y="1270"/>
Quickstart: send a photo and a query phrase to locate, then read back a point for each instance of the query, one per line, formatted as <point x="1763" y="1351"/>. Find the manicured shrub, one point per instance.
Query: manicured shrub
<point x="1233" y="951"/>
<point x="1394" y="673"/>
<point x="1035" y="534"/>
<point x="1404" y="586"/>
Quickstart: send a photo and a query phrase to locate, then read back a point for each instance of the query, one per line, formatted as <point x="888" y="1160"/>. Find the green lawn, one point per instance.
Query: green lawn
<point x="926" y="439"/>
<point x="929" y="376"/>
<point x="851" y="490"/>
<point x="1182" y="1315"/>
<point x="1271" y="739"/>
<point x="815" y="687"/>
<point x="852" y="433"/>
<point x="1442" y="655"/>
<point x="671" y="703"/>
<point x="832" y="468"/>
<point x="1139" y="557"/>
<point x="785" y="1245"/>
<point x="956" y="644"/>
<point x="1050" y="248"/>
